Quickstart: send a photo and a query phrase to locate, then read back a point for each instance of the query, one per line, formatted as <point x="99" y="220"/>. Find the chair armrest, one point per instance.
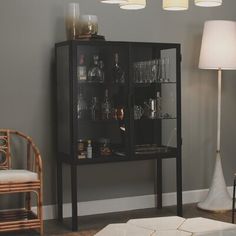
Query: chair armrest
<point x="37" y="164"/>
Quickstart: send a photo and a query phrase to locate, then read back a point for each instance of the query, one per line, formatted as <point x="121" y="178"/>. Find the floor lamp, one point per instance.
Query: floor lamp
<point x="218" y="52"/>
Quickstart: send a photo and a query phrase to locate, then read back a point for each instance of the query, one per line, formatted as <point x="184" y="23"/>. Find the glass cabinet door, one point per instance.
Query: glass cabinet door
<point x="102" y="77"/>
<point x="154" y="100"/>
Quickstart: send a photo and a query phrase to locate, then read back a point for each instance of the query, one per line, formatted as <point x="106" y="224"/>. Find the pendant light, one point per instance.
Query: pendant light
<point x="133" y="5"/>
<point x="114" y="1"/>
<point x="208" y="3"/>
<point x="175" y="5"/>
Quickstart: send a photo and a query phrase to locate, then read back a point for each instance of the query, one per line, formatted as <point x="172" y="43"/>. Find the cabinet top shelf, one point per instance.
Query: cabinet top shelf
<point x="107" y="43"/>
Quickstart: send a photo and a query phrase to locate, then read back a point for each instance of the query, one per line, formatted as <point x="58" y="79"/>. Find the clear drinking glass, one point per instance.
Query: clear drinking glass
<point x="164" y="70"/>
<point x="138" y="112"/>
<point x="72" y="20"/>
<point x="162" y="73"/>
<point x="88" y="25"/>
<point x="139" y="72"/>
<point x="167" y="69"/>
<point x="155" y="70"/>
<point x="143" y="78"/>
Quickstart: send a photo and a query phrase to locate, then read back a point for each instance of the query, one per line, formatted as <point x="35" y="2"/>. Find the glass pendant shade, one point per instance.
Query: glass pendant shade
<point x="133" y="5"/>
<point x="175" y="5"/>
<point x="114" y="1"/>
<point x="218" y="50"/>
<point x="208" y="3"/>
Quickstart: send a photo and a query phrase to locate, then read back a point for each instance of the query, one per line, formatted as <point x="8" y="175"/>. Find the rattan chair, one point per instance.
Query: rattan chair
<point x="28" y="181"/>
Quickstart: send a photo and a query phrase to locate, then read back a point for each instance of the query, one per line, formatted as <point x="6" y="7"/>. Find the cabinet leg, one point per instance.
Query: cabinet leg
<point x="233" y="202"/>
<point x="159" y="183"/>
<point x="74" y="197"/>
<point x="179" y="186"/>
<point x="59" y="191"/>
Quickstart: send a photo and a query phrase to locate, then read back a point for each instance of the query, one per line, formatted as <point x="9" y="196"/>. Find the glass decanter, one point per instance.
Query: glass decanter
<point x="117" y="72"/>
<point x="95" y="73"/>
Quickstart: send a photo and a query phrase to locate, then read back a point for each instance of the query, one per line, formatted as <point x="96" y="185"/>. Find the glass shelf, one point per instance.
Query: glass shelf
<point x="111" y="121"/>
<point x="164" y="118"/>
<point x="100" y="84"/>
<point x="152" y="84"/>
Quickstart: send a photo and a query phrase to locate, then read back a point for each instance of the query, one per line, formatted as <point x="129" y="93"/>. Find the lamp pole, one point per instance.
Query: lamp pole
<point x="218" y="198"/>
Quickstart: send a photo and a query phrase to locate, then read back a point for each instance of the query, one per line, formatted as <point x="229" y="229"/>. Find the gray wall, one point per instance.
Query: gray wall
<point x="29" y="29"/>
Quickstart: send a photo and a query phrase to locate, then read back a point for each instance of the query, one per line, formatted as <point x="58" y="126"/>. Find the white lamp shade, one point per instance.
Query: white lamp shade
<point x="208" y="3"/>
<point x="133" y="5"/>
<point x="175" y="5"/>
<point x="114" y="1"/>
<point x="218" y="50"/>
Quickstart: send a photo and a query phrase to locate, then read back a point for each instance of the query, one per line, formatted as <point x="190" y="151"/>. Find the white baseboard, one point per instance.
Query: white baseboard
<point x="124" y="204"/>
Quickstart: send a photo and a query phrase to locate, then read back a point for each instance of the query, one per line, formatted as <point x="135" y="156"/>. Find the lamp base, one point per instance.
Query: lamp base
<point x="218" y="198"/>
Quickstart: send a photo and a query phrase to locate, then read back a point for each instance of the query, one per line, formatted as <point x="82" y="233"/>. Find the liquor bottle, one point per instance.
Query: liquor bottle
<point x="117" y="72"/>
<point x="95" y="73"/>
<point x="89" y="150"/>
<point x="106" y="107"/>
<point x="81" y="69"/>
<point x="81" y="151"/>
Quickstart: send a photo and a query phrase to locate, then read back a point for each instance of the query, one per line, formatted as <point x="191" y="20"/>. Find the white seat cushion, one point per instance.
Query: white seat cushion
<point x="7" y="176"/>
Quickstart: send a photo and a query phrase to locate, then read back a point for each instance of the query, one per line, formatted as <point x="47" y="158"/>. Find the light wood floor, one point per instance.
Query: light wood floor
<point x="89" y="225"/>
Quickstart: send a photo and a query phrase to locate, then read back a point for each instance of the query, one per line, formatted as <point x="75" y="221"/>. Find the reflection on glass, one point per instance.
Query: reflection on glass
<point x="81" y="107"/>
<point x="95" y="109"/>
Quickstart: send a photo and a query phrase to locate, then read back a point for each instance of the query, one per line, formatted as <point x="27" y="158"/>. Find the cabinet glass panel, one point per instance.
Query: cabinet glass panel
<point x="102" y="73"/>
<point x="63" y="100"/>
<point x="154" y="100"/>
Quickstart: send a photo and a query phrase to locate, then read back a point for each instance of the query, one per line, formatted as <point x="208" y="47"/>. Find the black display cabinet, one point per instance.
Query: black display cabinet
<point x="117" y="102"/>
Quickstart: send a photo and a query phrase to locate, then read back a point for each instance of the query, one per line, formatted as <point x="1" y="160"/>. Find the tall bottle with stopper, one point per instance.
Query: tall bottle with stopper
<point x="106" y="107"/>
